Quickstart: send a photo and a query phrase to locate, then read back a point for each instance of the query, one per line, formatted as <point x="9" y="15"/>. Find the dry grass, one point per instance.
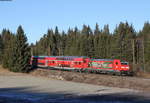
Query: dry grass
<point x="136" y="83"/>
<point x="143" y="75"/>
<point x="5" y="71"/>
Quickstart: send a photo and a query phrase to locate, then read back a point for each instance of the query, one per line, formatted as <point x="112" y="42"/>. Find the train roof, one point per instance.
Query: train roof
<point x="71" y="56"/>
<point x="62" y="56"/>
<point x="102" y="59"/>
<point x="42" y="56"/>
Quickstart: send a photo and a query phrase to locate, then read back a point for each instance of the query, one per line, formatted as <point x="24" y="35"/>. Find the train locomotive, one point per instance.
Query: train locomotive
<point x="81" y="63"/>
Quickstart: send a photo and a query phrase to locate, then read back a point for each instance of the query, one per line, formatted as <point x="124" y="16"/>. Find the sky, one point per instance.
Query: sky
<point x="37" y="16"/>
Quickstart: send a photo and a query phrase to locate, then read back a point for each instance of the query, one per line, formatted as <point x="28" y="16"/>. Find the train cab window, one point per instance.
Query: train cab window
<point x="124" y="63"/>
<point x="116" y="63"/>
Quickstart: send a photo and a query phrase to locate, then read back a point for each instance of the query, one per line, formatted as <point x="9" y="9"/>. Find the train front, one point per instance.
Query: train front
<point x="125" y="68"/>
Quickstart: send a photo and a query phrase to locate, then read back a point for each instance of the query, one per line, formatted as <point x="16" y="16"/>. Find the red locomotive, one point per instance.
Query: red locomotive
<point x="81" y="63"/>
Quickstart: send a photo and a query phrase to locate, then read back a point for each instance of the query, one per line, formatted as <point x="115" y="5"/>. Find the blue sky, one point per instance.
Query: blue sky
<point x="36" y="16"/>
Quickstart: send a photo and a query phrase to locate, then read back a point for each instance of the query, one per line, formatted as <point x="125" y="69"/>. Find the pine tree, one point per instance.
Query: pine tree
<point x="63" y="43"/>
<point x="102" y="43"/>
<point x="145" y="35"/>
<point x="122" y="42"/>
<point x="57" y="41"/>
<point x="21" y="52"/>
<point x="1" y="48"/>
<point x="146" y="38"/>
<point x="97" y="45"/>
<point x="7" y="41"/>
<point x="50" y="40"/>
<point x="97" y="30"/>
<point x="69" y="40"/>
<point x="86" y="41"/>
<point x="106" y="42"/>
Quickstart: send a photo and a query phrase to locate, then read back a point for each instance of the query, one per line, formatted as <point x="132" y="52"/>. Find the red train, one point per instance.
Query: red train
<point x="81" y="63"/>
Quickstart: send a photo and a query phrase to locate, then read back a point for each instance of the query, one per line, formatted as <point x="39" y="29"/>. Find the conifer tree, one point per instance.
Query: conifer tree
<point x="7" y="40"/>
<point x="21" y="52"/>
<point x="106" y="42"/>
<point x="1" y="48"/>
<point x="122" y="42"/>
<point x="97" y="46"/>
<point x="50" y="39"/>
<point x="57" y="41"/>
<point x="86" y="34"/>
<point x="69" y="39"/>
<point x="145" y="35"/>
<point x="63" y="43"/>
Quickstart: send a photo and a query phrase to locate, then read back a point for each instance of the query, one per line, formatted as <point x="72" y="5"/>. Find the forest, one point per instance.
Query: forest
<point x="123" y="43"/>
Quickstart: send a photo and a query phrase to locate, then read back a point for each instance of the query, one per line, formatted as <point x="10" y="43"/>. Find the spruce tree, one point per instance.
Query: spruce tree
<point x="68" y="47"/>
<point x="57" y="41"/>
<point x="97" y="45"/>
<point x="123" y="36"/>
<point x="21" y="52"/>
<point x="145" y="35"/>
<point x="146" y="38"/>
<point x="7" y="41"/>
<point x="50" y="42"/>
<point x="106" y="42"/>
<point x="86" y="41"/>
<point x="1" y="48"/>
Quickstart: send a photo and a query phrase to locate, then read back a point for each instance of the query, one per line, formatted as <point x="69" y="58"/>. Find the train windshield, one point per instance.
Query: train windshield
<point x="124" y="63"/>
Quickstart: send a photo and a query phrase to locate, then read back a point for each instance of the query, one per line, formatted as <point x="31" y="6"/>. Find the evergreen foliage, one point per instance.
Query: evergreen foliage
<point x="144" y="36"/>
<point x="1" y="48"/>
<point x="123" y="36"/>
<point x="21" y="52"/>
<point x="7" y="42"/>
<point x="124" y="43"/>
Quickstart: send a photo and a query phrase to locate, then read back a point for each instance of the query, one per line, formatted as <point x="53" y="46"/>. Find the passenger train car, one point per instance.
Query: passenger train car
<point x="81" y="63"/>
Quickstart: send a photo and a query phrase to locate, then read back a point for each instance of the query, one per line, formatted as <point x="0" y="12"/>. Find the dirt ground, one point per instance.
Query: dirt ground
<point x="17" y="88"/>
<point x="136" y="83"/>
<point x="52" y="86"/>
